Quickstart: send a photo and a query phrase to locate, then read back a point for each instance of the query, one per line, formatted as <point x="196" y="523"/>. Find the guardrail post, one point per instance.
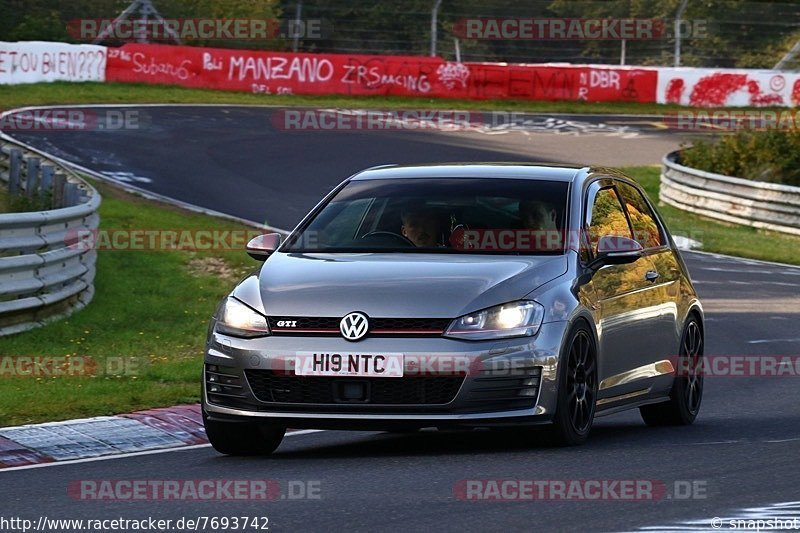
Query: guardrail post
<point x="70" y="194"/>
<point x="14" y="171"/>
<point x="58" y="190"/>
<point x="32" y="165"/>
<point x="48" y="172"/>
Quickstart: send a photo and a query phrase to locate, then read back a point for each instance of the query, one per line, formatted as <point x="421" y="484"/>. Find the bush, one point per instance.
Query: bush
<point x="772" y="156"/>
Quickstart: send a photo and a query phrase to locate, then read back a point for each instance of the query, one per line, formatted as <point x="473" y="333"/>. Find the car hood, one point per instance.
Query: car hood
<point x="397" y="285"/>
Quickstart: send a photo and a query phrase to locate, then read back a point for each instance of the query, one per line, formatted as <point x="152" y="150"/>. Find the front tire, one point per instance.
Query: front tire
<point x="243" y="438"/>
<point x="577" y="389"/>
<point x="687" y="389"/>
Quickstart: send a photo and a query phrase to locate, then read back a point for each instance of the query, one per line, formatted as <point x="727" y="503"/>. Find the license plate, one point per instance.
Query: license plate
<point x="384" y="365"/>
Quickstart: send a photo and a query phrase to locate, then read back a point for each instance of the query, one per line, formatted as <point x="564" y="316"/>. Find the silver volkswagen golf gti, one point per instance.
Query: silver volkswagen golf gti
<point x="458" y="295"/>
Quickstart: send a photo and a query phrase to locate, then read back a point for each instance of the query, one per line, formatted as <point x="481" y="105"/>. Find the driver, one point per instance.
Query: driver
<point x="535" y="215"/>
<point x="540" y="219"/>
<point x="421" y="226"/>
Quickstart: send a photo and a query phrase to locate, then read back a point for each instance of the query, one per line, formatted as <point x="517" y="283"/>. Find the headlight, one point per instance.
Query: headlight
<point x="237" y="319"/>
<point x="515" y="319"/>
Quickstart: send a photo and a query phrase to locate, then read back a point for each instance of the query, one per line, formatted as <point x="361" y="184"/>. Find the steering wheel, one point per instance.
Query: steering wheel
<point x="390" y="238"/>
<point x="455" y="236"/>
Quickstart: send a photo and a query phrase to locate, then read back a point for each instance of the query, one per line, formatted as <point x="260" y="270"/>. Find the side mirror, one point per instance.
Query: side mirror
<point x="261" y="247"/>
<point x="616" y="250"/>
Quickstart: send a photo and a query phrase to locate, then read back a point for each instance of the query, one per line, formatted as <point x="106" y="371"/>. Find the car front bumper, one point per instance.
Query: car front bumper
<point x="446" y="382"/>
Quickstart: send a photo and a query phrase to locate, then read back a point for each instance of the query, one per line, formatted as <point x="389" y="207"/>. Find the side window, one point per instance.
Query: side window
<point x="607" y="218"/>
<point x="645" y="228"/>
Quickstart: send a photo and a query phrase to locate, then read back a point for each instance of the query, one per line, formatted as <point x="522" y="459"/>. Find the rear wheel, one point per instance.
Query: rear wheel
<point x="577" y="390"/>
<point x="243" y="438"/>
<point x="687" y="389"/>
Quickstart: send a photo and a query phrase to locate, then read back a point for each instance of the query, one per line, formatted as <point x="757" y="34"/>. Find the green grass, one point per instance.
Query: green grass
<point x="21" y="203"/>
<point x="716" y="236"/>
<point x="4" y="205"/>
<point x="13" y="96"/>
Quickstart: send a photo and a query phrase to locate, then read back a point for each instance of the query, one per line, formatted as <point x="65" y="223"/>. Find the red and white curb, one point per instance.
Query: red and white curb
<point x="153" y="429"/>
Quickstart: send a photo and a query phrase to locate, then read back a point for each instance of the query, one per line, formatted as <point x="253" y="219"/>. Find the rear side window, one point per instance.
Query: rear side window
<point x="645" y="228"/>
<point x="607" y="217"/>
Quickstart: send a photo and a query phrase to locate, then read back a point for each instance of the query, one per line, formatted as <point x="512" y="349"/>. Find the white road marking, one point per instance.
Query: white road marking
<point x="735" y="282"/>
<point x="784" y="511"/>
<point x="778" y="283"/>
<point x="737" y="270"/>
<point x="715" y="442"/>
<point x="126" y="177"/>
<point x="134" y="454"/>
<point x="708" y="257"/>
<point x="766" y="341"/>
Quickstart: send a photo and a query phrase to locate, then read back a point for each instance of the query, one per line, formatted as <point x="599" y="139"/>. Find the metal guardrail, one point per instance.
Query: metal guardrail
<point x="763" y="205"/>
<point x="42" y="278"/>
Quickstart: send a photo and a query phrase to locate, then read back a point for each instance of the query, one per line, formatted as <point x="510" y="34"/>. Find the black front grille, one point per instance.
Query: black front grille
<point x="270" y="387"/>
<point x="401" y="324"/>
<point x="288" y="325"/>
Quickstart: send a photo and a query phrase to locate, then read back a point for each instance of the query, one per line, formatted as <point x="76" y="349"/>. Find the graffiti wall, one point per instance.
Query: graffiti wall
<point x="364" y="75"/>
<point x="727" y="87"/>
<point x="272" y="72"/>
<point x="32" y="62"/>
<point x="560" y="82"/>
<point x="288" y="73"/>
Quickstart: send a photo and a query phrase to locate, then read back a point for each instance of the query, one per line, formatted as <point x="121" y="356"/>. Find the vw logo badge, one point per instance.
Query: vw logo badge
<point x="354" y="326"/>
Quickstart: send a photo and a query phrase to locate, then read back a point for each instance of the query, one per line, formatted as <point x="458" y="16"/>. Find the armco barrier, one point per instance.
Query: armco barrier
<point x="762" y="205"/>
<point x="41" y="277"/>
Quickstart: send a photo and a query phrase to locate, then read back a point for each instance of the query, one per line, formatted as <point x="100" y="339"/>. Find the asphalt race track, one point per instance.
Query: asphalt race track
<point x="234" y="159"/>
<point x="742" y="451"/>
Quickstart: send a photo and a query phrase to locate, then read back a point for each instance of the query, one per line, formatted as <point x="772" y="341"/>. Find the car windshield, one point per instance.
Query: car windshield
<point x="453" y="215"/>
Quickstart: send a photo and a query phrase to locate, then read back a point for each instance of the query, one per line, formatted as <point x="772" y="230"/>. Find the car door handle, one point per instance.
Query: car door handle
<point x="651" y="275"/>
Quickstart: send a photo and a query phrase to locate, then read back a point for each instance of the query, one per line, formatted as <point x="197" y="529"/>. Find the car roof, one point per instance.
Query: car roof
<point x="475" y="170"/>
